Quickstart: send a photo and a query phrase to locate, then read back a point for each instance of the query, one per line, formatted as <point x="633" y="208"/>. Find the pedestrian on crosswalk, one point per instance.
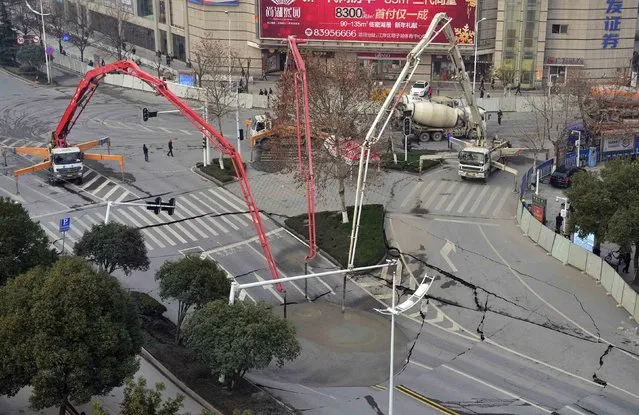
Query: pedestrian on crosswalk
<point x="499" y="115"/>
<point x="170" y="153"/>
<point x="145" y="150"/>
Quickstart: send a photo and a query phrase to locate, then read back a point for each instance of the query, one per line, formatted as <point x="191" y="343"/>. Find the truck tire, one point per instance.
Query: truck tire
<point x="437" y="136"/>
<point x="265" y="145"/>
<point x="424" y="137"/>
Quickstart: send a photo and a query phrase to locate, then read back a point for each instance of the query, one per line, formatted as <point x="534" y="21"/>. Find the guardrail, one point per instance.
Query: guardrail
<point x="570" y="254"/>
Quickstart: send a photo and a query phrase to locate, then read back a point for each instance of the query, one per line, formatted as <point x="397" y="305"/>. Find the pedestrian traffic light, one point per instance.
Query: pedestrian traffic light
<point x="145" y="114"/>
<point x="169" y="207"/>
<point x="155" y="206"/>
<point x="407" y="126"/>
<point x="241" y="134"/>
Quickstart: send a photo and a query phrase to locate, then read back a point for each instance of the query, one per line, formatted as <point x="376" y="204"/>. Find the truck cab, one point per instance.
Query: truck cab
<point x="66" y="164"/>
<point x="474" y="163"/>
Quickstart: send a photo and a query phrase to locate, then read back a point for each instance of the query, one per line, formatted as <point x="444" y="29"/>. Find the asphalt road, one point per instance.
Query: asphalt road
<point x="545" y="327"/>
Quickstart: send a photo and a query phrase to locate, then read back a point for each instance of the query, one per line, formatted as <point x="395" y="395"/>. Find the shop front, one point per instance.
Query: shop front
<point x="383" y="65"/>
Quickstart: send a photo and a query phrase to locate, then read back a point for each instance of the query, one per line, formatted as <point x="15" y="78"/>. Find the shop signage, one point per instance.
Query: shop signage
<point x="612" y="24"/>
<point x="381" y="56"/>
<point x="216" y="2"/>
<point x="551" y="60"/>
<point x="618" y="144"/>
<point x="539" y="208"/>
<point x="364" y="21"/>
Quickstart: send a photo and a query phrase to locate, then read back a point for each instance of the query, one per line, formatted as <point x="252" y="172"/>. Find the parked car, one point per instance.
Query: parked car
<point x="562" y="177"/>
<point x="419" y="89"/>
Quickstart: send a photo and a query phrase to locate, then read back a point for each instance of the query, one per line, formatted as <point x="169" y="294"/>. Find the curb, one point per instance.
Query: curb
<point x="144" y="354"/>
<point x="199" y="172"/>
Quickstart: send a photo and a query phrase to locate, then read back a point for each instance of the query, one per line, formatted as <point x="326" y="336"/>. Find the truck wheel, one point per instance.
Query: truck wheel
<point x="265" y="145"/>
<point x="424" y="137"/>
<point x="437" y="136"/>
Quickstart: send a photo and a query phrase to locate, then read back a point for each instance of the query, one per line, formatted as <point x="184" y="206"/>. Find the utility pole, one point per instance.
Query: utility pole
<point x="44" y="38"/>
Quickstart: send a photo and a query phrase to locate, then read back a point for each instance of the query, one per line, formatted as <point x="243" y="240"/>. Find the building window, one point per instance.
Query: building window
<point x="560" y="28"/>
<point x="145" y="8"/>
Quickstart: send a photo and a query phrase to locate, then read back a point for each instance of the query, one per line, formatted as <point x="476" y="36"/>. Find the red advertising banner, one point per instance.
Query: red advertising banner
<point x="364" y="20"/>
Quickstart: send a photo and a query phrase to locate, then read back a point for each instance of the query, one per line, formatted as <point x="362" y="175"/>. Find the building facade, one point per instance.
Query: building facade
<point x="538" y="39"/>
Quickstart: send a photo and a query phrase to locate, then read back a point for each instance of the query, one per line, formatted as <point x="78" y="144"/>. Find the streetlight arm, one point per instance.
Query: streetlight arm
<point x="36" y="12"/>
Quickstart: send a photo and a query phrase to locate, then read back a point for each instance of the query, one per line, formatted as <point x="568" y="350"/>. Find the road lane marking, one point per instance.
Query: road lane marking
<point x="224" y="218"/>
<point x="145" y="232"/>
<point x="424" y="400"/>
<point x="121" y="124"/>
<point x="461" y="208"/>
<point x="575" y="411"/>
<point x="199" y="221"/>
<point x="424" y="192"/>
<point x="505" y="392"/>
<point x="461" y="191"/>
<point x="55" y="225"/>
<point x="155" y="226"/>
<point x="165" y="129"/>
<point x="90" y="182"/>
<point x="479" y="199"/>
<point x="183" y="230"/>
<point x="446" y="197"/>
<point x="423" y="366"/>
<point x="237" y="217"/>
<point x="379" y="387"/>
<point x="108" y="195"/>
<point x="123" y="196"/>
<point x="445" y="251"/>
<point x="318" y="392"/>
<point x="282" y="274"/>
<point x="210" y="215"/>
<point x="501" y="202"/>
<point x="270" y="288"/>
<point x="240" y="243"/>
<point x="185" y="132"/>
<point x="466" y="222"/>
<point x="435" y="193"/>
<point x="102" y="186"/>
<point x="411" y="194"/>
<point x="490" y="200"/>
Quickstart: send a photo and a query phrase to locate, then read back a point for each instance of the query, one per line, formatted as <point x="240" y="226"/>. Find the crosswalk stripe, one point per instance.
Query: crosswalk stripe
<point x="185" y="132"/>
<point x="435" y="194"/>
<point x="444" y="198"/>
<point x="93" y="221"/>
<point x="492" y="197"/>
<point x="501" y="202"/>
<point x="145" y="127"/>
<point x="461" y="208"/>
<point x="424" y="192"/>
<point x="54" y="225"/>
<point x="479" y="199"/>
<point x="157" y="229"/>
<point x="460" y="192"/>
<point x="183" y="201"/>
<point x="102" y="186"/>
<point x="411" y="194"/>
<point x="164" y="129"/>
<point x="122" y="196"/>
<point x="116" y="187"/>
<point x="224" y="218"/>
<point x="145" y="232"/>
<point x="82" y="224"/>
<point x="190" y="223"/>
<point x="122" y="125"/>
<point x="184" y="231"/>
<point x="90" y="182"/>
<point x="237" y="217"/>
<point x="12" y="142"/>
<point x="235" y="207"/>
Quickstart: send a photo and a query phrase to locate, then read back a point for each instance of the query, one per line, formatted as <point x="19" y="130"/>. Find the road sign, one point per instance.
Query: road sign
<point x="49" y="51"/>
<point x="36" y="39"/>
<point x="65" y="224"/>
<point x="66" y="37"/>
<point x="20" y="40"/>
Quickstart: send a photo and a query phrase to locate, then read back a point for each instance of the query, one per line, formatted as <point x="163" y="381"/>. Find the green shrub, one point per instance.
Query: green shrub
<point x="225" y="176"/>
<point x="147" y="305"/>
<point x="412" y="165"/>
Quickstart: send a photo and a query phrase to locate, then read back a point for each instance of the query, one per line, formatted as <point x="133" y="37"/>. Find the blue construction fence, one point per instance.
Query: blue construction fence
<point x="587" y="157"/>
<point x="529" y="178"/>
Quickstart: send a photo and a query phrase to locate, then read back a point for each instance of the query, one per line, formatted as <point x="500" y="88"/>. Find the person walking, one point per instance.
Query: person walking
<point x="559" y="220"/>
<point x="499" y="115"/>
<point x="145" y="150"/>
<point x="518" y="90"/>
<point x="170" y="153"/>
<point x="626" y="261"/>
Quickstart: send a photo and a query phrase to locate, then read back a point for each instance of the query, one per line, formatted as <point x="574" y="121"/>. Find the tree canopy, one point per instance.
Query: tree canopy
<point x="192" y="282"/>
<point x="68" y="331"/>
<point x="233" y="339"/>
<point x="140" y="400"/>
<point x="608" y="206"/>
<point x="23" y="243"/>
<point x="114" y="246"/>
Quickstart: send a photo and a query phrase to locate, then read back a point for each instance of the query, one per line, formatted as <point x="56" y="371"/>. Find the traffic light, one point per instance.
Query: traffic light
<point x="145" y="114"/>
<point x="241" y="134"/>
<point x="169" y="207"/>
<point x="407" y="126"/>
<point x="203" y="142"/>
<point x="155" y="206"/>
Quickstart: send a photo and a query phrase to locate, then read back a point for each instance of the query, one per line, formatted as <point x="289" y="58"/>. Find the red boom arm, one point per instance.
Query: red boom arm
<point x="306" y="173"/>
<point x="87" y="88"/>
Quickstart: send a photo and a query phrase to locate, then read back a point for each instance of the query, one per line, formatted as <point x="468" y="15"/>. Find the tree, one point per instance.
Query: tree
<point x="114" y="246"/>
<point x="7" y="37"/>
<point x="56" y="22"/>
<point x="608" y="206"/>
<point x="23" y="243"/>
<point x="79" y="29"/>
<point x="30" y="56"/>
<point x="340" y="106"/>
<point x="233" y="339"/>
<point x="193" y="282"/>
<point x="69" y="332"/>
<point x="117" y="13"/>
<point x="506" y="74"/>
<point x="140" y="400"/>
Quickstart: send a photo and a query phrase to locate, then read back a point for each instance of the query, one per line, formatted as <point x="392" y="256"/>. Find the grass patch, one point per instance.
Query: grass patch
<point x="225" y="176"/>
<point x="412" y="165"/>
<point x="158" y="335"/>
<point x="334" y="237"/>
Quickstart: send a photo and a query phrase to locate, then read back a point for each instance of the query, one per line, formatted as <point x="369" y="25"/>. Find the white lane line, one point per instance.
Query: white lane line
<point x="194" y="226"/>
<point x="445" y="197"/>
<point x="501" y="202"/>
<point x="156" y="229"/>
<point x="461" y="208"/>
<point x="90" y="182"/>
<point x="102" y="186"/>
<point x="411" y="194"/>
<point x="224" y="218"/>
<point x="201" y="221"/>
<point x="243" y="294"/>
<point x="574" y="410"/>
<point x="460" y="192"/>
<point x="479" y="199"/>
<point x="116" y="187"/>
<point x="185" y="132"/>
<point x="492" y="197"/>
<point x="237" y="217"/>
<point x="165" y="129"/>
<point x="426" y="191"/>
<point x="184" y="231"/>
<point x="435" y="194"/>
<point x="282" y="274"/>
<point x="123" y="195"/>
<point x="241" y="243"/>
<point x="505" y="392"/>
<point x="423" y="366"/>
<point x="82" y="224"/>
<point x="236" y="208"/>
<point x="317" y="392"/>
<point x="466" y="222"/>
<point x="121" y="124"/>
<point x="269" y="288"/>
<point x="144" y="127"/>
<point x="139" y="225"/>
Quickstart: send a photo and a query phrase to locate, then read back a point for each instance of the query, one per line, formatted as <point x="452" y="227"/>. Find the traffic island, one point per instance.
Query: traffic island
<point x="334" y="237"/>
<point x="411" y="165"/>
<point x="213" y="171"/>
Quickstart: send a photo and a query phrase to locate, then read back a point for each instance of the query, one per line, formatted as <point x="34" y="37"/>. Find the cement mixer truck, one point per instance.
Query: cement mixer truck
<point x="431" y="120"/>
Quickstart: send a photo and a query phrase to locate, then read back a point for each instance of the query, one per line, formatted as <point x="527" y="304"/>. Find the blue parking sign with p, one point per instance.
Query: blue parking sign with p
<point x="65" y="224"/>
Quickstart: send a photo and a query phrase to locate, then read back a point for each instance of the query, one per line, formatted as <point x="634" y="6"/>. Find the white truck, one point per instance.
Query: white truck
<point x="478" y="162"/>
<point x="66" y="165"/>
<point x="432" y="120"/>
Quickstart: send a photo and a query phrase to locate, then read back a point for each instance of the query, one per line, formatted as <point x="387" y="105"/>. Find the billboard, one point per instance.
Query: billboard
<point x="364" y="20"/>
<point x="216" y="2"/>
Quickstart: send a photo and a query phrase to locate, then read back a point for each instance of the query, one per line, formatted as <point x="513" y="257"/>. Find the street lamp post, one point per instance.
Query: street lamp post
<point x="399" y="309"/>
<point x="237" y="93"/>
<point x="578" y="143"/>
<point x="44" y="37"/>
<point x="475" y="62"/>
<point x="550" y="81"/>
